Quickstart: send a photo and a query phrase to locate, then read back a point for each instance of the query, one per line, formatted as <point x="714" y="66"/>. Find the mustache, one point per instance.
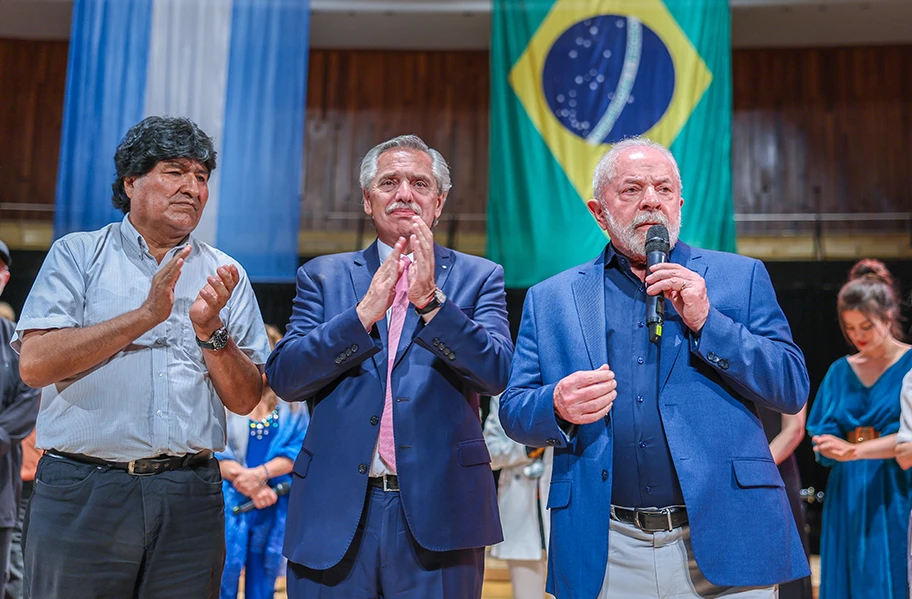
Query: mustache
<point x="651" y="217"/>
<point x="400" y="205"/>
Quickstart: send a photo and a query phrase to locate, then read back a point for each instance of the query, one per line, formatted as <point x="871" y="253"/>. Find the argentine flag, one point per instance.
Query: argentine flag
<point x="238" y="68"/>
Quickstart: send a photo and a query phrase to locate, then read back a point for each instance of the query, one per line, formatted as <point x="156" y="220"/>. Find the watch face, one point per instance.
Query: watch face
<point x="219" y="338"/>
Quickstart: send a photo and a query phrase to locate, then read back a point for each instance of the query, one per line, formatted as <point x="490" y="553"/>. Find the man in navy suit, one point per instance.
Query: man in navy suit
<point x="392" y="493"/>
<point x="663" y="482"/>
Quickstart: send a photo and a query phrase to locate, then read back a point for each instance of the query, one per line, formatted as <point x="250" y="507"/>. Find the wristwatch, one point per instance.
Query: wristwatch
<point x="436" y="302"/>
<point x="218" y="340"/>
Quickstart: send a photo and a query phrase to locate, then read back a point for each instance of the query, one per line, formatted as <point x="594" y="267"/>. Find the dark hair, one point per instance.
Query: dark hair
<point x="152" y="140"/>
<point x="871" y="290"/>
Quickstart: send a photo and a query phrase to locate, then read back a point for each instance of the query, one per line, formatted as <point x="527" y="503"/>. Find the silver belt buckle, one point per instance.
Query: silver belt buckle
<point x="668" y="515"/>
<point x="386" y="488"/>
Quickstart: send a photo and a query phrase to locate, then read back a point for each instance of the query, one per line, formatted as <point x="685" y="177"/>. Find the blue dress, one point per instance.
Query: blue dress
<point x="863" y="544"/>
<point x="253" y="540"/>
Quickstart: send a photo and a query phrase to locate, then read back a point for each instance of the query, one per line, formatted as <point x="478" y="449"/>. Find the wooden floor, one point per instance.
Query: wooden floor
<point x="497" y="580"/>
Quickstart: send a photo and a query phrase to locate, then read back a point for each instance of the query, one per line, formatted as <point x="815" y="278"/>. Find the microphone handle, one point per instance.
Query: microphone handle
<point x="280" y="489"/>
<point x="655" y="304"/>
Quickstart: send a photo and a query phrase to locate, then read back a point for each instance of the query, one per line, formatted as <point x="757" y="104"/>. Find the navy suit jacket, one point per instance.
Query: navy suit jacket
<point x="742" y="531"/>
<point x="328" y="359"/>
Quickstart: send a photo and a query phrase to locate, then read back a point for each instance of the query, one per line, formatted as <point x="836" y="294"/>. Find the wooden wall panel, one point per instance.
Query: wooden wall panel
<point x="813" y="129"/>
<point x="823" y="130"/>
<point x="32" y="80"/>
<point x="357" y="99"/>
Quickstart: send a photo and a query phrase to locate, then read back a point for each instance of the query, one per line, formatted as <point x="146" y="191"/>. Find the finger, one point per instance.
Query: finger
<point x="230" y="276"/>
<point x="217" y="284"/>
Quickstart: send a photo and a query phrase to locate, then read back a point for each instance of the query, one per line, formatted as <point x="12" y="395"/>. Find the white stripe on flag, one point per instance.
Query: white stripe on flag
<point x="188" y="74"/>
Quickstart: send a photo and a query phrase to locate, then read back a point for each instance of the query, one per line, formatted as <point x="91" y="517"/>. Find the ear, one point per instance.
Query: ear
<point x="368" y="209"/>
<point x="441" y="200"/>
<point x="128" y="184"/>
<point x="598" y="211"/>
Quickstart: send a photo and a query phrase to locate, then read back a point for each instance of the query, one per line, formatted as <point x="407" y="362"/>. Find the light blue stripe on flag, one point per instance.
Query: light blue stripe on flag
<point x="263" y="145"/>
<point x="105" y="91"/>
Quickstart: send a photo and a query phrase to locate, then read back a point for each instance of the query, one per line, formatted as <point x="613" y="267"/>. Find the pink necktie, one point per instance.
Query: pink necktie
<point x="387" y="443"/>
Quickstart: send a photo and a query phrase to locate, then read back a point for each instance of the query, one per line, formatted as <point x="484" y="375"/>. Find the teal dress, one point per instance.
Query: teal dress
<point x="863" y="544"/>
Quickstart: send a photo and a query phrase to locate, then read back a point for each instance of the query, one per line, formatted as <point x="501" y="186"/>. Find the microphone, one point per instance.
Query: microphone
<point x="656" y="253"/>
<point x="280" y="489"/>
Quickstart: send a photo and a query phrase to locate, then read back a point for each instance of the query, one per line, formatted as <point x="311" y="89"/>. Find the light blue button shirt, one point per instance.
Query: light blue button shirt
<point x="155" y="396"/>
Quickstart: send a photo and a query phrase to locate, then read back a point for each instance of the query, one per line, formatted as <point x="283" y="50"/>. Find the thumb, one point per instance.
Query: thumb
<point x="604" y="367"/>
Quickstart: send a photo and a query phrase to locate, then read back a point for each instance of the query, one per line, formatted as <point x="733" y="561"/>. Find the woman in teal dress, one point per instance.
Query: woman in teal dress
<point x="853" y="425"/>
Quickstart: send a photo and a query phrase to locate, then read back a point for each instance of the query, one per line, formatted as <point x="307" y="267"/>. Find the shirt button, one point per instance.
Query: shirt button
<point x="643" y="445"/>
<point x="159" y="413"/>
<point x="374" y="420"/>
<point x="161" y="374"/>
<point x="362" y="469"/>
<point x="641" y="324"/>
<point x="648" y="489"/>
<point x="604" y="475"/>
<point x="639" y="360"/>
<point x="640" y="398"/>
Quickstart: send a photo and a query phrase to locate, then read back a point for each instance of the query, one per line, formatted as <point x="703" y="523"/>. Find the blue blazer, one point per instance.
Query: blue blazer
<point x="328" y="359"/>
<point x="742" y="530"/>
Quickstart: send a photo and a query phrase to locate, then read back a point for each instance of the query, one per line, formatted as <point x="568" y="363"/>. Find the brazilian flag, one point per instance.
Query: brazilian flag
<point x="571" y="77"/>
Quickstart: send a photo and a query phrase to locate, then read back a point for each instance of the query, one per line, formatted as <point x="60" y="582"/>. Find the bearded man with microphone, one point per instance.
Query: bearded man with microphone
<point x="645" y="375"/>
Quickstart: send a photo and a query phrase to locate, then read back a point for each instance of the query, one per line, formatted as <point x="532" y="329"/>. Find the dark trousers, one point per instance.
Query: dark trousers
<point x="93" y="532"/>
<point x="385" y="561"/>
<point x="6" y="536"/>
<point x="14" y="586"/>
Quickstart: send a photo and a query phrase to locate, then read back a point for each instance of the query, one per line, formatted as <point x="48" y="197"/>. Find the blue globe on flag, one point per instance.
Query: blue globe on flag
<point x="607" y="78"/>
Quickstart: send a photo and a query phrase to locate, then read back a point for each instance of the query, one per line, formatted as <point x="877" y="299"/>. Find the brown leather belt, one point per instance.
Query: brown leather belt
<point x="142" y="467"/>
<point x="861" y="434"/>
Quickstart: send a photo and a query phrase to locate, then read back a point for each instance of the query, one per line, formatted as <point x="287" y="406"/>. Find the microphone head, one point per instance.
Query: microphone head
<point x="282" y="488"/>
<point x="657" y="239"/>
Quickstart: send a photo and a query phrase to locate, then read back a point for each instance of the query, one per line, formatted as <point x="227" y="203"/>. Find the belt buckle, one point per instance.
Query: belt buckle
<point x="131" y="469"/>
<point x="664" y="511"/>
<point x="386" y="487"/>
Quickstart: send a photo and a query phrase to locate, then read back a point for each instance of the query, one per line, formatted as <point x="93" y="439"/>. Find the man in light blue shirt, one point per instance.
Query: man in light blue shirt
<point x="141" y="336"/>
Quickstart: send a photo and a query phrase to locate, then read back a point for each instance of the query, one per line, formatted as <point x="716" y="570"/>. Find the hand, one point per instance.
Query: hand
<point x="160" y="300"/>
<point x="586" y="395"/>
<point x="204" y="313"/>
<point x="421" y="272"/>
<point x="382" y="291"/>
<point x="834" y="448"/>
<point x="248" y="481"/>
<point x="904" y="455"/>
<point x="686" y="290"/>
<point x="264" y="497"/>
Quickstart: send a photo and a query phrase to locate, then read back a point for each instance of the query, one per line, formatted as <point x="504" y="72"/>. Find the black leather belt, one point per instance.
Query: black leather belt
<point x="143" y="467"/>
<point x="387" y="482"/>
<point x="657" y="520"/>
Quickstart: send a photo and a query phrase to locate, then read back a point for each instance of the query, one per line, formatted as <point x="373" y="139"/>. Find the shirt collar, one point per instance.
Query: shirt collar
<point x="385" y="250"/>
<point x="135" y="240"/>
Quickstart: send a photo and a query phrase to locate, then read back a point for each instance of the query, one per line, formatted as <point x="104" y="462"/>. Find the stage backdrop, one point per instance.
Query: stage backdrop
<point x="571" y="77"/>
<point x="236" y="67"/>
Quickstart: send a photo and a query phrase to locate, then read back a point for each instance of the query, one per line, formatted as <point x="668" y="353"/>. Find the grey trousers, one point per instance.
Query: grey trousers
<point x="643" y="565"/>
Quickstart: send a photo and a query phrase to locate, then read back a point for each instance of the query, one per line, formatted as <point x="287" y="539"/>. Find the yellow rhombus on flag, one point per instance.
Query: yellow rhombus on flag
<point x="578" y="156"/>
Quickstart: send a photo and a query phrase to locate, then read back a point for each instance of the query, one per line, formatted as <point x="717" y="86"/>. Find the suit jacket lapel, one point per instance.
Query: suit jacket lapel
<point x="589" y="296"/>
<point x="443" y="265"/>
<point x="675" y="340"/>
<point x="363" y="267"/>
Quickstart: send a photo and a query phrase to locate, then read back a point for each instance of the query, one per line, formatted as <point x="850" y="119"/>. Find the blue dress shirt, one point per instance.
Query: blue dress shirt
<point x="644" y="475"/>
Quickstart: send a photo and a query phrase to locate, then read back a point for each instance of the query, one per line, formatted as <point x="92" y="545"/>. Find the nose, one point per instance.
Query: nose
<point x="404" y="191"/>
<point x="190" y="185"/>
<point x="650" y="197"/>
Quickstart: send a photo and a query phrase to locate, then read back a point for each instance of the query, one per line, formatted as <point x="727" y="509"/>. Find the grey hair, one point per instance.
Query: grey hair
<point x="607" y="166"/>
<point x="439" y="165"/>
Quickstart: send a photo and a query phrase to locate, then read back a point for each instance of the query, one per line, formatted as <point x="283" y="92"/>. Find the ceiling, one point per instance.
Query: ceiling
<point x="465" y="24"/>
